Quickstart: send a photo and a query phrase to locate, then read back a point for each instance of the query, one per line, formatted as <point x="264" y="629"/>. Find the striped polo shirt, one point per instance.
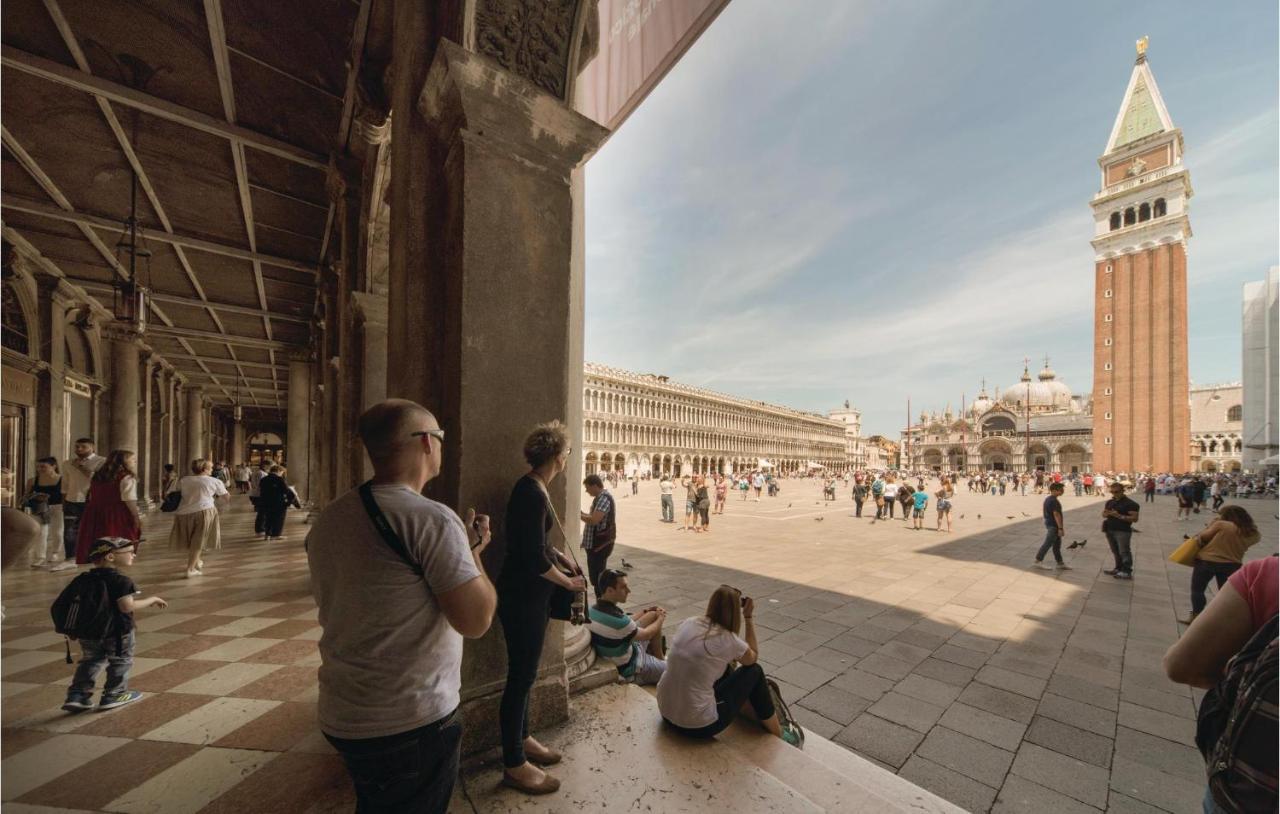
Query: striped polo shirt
<point x="612" y="635"/>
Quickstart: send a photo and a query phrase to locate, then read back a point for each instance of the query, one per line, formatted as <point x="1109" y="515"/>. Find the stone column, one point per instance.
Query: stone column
<point x="162" y="441"/>
<point x="145" y="438"/>
<point x="371" y="321"/>
<point x="494" y="309"/>
<point x="50" y="414"/>
<point x="237" y="443"/>
<point x="124" y="347"/>
<point x="195" y="428"/>
<point x="298" y="431"/>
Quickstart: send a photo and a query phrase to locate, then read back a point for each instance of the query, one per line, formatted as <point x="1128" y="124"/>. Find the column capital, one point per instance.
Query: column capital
<point x="473" y="97"/>
<point x="302" y="355"/>
<point x="120" y="332"/>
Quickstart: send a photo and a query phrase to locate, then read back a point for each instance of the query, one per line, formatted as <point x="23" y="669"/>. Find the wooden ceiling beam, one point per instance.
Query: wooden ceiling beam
<point x="219" y="360"/>
<point x="19" y="60"/>
<point x="96" y="287"/>
<point x="18" y="203"/>
<point x="214" y="336"/>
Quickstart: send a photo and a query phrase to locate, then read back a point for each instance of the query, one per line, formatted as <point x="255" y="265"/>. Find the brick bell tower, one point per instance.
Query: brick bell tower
<point x="1141" y="399"/>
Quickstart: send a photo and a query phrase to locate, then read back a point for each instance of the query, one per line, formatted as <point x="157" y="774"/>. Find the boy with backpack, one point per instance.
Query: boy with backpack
<point x="96" y="609"/>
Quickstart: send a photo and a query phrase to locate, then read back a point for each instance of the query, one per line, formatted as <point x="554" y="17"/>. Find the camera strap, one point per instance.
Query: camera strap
<point x="568" y="546"/>
<point x="383" y="526"/>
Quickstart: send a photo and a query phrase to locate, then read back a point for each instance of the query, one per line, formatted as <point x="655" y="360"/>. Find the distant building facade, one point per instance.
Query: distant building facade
<point x="1141" y="414"/>
<point x="855" y="444"/>
<point x="646" y="423"/>
<point x="1217" y="427"/>
<point x="1261" y="361"/>
<point x="1032" y="425"/>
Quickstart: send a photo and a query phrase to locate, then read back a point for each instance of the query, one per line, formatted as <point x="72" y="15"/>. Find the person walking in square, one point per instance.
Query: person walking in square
<point x="76" y="474"/>
<point x="1118" y="516"/>
<point x="920" y="502"/>
<point x="600" y="528"/>
<point x="43" y="499"/>
<point x="196" y="524"/>
<point x="274" y="499"/>
<point x="112" y="508"/>
<point x="722" y="493"/>
<point x="944" y="494"/>
<point x="1223" y="544"/>
<point x="113" y="638"/>
<point x="667" y="489"/>
<point x="1054" y="528"/>
<point x="859" y="495"/>
<point x="889" y="491"/>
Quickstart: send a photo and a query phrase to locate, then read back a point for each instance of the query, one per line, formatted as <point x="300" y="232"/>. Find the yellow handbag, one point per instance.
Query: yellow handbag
<point x="1186" y="553"/>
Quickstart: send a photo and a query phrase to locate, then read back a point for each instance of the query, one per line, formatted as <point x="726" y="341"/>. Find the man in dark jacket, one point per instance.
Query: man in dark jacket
<point x="274" y="499"/>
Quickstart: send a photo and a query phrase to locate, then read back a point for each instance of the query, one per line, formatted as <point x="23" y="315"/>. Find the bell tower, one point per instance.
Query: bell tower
<point x="1141" y="412"/>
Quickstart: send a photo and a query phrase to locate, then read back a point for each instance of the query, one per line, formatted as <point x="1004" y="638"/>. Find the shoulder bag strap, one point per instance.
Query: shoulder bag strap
<point x="385" y="531"/>
<point x="568" y="544"/>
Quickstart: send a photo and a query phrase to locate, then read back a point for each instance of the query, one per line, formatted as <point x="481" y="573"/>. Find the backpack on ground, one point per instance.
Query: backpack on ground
<point x="1236" y="727"/>
<point x="84" y="610"/>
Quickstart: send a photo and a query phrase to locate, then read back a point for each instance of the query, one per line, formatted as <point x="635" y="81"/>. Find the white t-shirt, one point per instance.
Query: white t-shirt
<point x="198" y="492"/>
<point x="390" y="660"/>
<point x="75" y="481"/>
<point x="242" y="474"/>
<point x="700" y="651"/>
<point x="666" y="486"/>
<point x="128" y="488"/>
<point x="890" y="491"/>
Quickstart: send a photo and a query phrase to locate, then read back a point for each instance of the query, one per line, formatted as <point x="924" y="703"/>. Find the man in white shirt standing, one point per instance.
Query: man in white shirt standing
<point x="667" y="488"/>
<point x="398" y="581"/>
<point x="76" y="474"/>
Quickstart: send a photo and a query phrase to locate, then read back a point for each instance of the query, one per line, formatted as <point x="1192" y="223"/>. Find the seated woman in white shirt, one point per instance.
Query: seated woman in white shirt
<point x="196" y="525"/>
<point x="698" y="695"/>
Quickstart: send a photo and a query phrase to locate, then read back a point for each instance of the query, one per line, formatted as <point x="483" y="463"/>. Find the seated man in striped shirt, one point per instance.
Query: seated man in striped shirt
<point x="631" y="642"/>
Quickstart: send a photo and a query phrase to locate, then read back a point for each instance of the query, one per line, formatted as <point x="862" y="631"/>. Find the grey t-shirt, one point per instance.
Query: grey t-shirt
<point x="390" y="661"/>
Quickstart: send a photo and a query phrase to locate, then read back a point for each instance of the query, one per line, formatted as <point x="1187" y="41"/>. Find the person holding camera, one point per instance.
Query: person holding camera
<point x="700" y="693"/>
<point x="399" y="583"/>
<point x="599" y="529"/>
<point x="530" y="573"/>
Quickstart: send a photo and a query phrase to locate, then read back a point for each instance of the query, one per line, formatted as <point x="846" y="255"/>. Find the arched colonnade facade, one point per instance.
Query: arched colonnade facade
<point x="646" y="424"/>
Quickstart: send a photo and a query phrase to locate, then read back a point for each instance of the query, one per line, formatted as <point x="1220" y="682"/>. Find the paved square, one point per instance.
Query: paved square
<point x="944" y="656"/>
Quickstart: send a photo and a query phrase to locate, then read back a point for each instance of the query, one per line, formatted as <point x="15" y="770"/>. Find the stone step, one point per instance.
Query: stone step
<point x="619" y="756"/>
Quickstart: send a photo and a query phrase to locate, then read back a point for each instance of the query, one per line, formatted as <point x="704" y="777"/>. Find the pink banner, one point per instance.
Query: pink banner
<point x="640" y="40"/>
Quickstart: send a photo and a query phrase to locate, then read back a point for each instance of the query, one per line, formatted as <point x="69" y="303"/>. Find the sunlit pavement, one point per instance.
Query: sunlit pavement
<point x="946" y="657"/>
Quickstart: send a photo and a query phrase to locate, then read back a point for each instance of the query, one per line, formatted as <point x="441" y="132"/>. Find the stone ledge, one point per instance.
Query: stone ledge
<point x="618" y="755"/>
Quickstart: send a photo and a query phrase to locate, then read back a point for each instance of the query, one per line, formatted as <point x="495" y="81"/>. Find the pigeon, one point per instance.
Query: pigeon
<point x="788" y="505"/>
<point x="962" y="517"/>
<point x="626" y="564"/>
<point x="819" y="519"/>
<point x="1077" y="544"/>
<point x="1024" y="514"/>
<point x="979" y="517"/>
<point x="1008" y="517"/>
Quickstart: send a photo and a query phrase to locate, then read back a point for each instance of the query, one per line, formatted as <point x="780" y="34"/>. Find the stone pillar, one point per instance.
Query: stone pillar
<point x="237" y="443"/>
<point x="145" y="438"/>
<point x="162" y="430"/>
<point x="371" y="321"/>
<point x="298" y="431"/>
<point x="494" y="309"/>
<point x="50" y="414"/>
<point x="195" y="428"/>
<point x="124" y="388"/>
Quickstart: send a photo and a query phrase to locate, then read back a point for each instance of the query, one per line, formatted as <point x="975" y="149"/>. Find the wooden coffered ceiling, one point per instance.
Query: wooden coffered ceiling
<point x="231" y="138"/>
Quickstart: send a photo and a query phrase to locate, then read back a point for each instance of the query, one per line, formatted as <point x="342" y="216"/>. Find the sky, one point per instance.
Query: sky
<point x="883" y="201"/>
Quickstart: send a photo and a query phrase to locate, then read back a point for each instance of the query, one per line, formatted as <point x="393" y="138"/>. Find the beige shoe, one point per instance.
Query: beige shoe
<point x="548" y="785"/>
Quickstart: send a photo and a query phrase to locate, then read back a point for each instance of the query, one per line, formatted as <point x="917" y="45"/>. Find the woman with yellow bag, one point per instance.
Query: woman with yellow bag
<point x="1221" y="545"/>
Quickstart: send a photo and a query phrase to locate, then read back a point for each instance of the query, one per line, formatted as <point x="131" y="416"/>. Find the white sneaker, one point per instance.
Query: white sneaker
<point x="65" y="565"/>
<point x="1042" y="566"/>
<point x="194" y="572"/>
<point x="38" y="564"/>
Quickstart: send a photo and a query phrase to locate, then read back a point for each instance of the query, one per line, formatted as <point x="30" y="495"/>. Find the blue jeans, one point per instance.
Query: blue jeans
<point x="115" y="655"/>
<point x="412" y="771"/>
<point x="1051" y="540"/>
<point x="70" y="527"/>
<point x="668" y="509"/>
<point x="1120" y="549"/>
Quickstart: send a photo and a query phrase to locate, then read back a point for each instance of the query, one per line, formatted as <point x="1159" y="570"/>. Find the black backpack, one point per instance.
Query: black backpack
<point x="1236" y="727"/>
<point x="84" y="610"/>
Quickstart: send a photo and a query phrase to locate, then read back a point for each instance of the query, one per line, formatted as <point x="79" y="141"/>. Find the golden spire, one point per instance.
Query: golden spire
<point x="1142" y="48"/>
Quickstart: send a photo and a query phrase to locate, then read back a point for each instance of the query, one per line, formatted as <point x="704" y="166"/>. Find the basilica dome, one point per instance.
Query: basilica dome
<point x="1045" y="395"/>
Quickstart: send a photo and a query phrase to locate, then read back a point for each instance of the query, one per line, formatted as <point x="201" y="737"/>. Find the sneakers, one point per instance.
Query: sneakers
<point x="38" y="564"/>
<point x="65" y="565"/>
<point x="1040" y="564"/>
<point x="118" y="699"/>
<point x="77" y="705"/>
<point x="1062" y="566"/>
<point x="1123" y="575"/>
<point x="194" y="572"/>
<point x="1111" y="572"/>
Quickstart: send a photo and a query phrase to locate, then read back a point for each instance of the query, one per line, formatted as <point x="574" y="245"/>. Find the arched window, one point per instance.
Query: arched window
<point x="1161" y="208"/>
<point x="1235" y="413"/>
<point x="1144" y="212"/>
<point x="1237" y="446"/>
<point x="1115" y="221"/>
<point x="13" y="323"/>
<point x="1130" y="217"/>
<point x="1213" y="447"/>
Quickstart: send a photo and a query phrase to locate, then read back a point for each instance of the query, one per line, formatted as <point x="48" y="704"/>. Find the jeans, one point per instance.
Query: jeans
<point x="1202" y="572"/>
<point x="732" y="691"/>
<point x="857" y="508"/>
<point x="1150" y="497"/>
<point x="1119" y="543"/>
<point x="51" y="531"/>
<point x="524" y="624"/>
<point x="597" y="561"/>
<point x="115" y="654"/>
<point x="668" y="509"/>
<point x="407" y="773"/>
<point x="1051" y="540"/>
<point x="888" y="507"/>
<point x="70" y="527"/>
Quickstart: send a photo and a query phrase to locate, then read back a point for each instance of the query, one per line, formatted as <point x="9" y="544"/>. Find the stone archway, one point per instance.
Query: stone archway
<point x="1072" y="458"/>
<point x="591" y="463"/>
<point x="1039" y="457"/>
<point x="996" y="454"/>
<point x="932" y="459"/>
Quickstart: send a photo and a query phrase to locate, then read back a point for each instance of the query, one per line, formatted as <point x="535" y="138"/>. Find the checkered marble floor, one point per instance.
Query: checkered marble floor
<point x="228" y="671"/>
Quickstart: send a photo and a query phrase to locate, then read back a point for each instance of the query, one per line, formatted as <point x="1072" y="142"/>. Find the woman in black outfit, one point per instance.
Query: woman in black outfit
<point x="531" y="570"/>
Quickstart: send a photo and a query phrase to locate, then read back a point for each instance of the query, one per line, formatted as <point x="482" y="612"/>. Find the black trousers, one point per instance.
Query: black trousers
<point x="407" y="773"/>
<point x="858" y="508"/>
<point x="1201" y="573"/>
<point x="889" y="503"/>
<point x="524" y="624"/>
<point x="273" y="521"/>
<point x="597" y="561"/>
<point x="732" y="691"/>
<point x="259" y="517"/>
